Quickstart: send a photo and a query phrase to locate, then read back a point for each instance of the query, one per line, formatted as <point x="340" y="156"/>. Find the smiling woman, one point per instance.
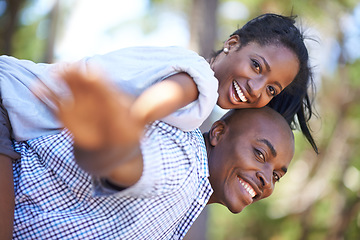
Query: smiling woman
<point x="259" y="66"/>
<point x="278" y="35"/>
<point x="252" y="75"/>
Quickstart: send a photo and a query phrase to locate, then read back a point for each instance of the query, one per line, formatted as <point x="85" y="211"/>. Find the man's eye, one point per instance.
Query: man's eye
<point x="256" y="66"/>
<point x="276" y="177"/>
<point x="260" y="155"/>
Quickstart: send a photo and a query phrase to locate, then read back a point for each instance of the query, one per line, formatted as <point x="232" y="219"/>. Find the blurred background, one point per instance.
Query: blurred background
<point x="319" y="198"/>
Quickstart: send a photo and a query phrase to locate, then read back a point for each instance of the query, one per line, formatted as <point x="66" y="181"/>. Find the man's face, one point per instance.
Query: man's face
<point x="248" y="157"/>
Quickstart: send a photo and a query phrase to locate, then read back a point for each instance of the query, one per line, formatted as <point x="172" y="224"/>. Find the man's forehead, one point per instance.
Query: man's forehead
<point x="261" y="123"/>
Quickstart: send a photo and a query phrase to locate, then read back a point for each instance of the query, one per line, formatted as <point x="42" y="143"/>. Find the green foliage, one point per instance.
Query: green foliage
<point x="27" y="39"/>
<point x="26" y="47"/>
<point x="354" y="73"/>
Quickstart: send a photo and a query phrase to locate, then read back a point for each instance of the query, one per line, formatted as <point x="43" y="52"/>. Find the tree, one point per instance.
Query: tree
<point x="22" y="39"/>
<point x="9" y="21"/>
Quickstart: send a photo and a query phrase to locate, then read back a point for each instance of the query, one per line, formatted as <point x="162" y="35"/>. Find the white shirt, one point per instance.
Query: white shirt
<point x="133" y="69"/>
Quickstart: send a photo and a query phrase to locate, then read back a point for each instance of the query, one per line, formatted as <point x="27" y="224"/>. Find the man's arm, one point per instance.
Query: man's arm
<point x="6" y="198"/>
<point x="7" y="154"/>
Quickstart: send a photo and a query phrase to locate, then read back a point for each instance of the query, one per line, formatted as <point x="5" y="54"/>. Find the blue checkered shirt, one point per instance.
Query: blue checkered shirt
<point x="55" y="199"/>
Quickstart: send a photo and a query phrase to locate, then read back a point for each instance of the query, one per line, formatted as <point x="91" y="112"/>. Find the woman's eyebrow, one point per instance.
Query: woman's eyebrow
<point x="269" y="145"/>
<point x="265" y="62"/>
<point x="279" y="85"/>
<point x="268" y="68"/>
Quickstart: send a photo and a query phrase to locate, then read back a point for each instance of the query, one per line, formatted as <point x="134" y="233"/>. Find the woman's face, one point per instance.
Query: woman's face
<point x="252" y="76"/>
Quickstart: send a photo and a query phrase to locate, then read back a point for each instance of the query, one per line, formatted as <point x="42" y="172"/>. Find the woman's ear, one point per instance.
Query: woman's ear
<point x="216" y="132"/>
<point x="233" y="41"/>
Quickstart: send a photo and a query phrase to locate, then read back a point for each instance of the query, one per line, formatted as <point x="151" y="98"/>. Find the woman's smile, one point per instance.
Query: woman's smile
<point x="237" y="93"/>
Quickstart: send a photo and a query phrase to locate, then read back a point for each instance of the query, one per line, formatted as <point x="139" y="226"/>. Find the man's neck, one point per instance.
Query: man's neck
<point x="207" y="143"/>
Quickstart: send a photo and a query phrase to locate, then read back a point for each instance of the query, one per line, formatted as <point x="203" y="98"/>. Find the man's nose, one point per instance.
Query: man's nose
<point x="265" y="179"/>
<point x="257" y="86"/>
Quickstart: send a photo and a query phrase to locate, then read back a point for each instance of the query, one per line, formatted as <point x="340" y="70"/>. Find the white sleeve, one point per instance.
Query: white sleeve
<point x="135" y="69"/>
<point x="193" y="115"/>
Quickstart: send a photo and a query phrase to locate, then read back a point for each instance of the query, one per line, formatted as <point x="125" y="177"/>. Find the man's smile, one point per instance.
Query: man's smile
<point x="247" y="187"/>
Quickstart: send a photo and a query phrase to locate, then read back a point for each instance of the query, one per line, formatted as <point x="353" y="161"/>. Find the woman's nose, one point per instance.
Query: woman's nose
<point x="257" y="86"/>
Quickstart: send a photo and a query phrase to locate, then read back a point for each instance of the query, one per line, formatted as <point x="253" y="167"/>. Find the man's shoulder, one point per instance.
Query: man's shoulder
<point x="164" y="129"/>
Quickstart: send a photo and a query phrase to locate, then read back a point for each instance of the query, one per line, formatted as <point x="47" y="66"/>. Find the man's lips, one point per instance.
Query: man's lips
<point x="247" y="187"/>
<point x="239" y="95"/>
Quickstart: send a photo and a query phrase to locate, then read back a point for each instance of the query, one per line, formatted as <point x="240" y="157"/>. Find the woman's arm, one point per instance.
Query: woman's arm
<point x="106" y="136"/>
<point x="107" y="124"/>
<point x="6" y="198"/>
<point x="164" y="98"/>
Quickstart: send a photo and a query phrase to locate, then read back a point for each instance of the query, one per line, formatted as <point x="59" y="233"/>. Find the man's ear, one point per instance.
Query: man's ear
<point x="233" y="41"/>
<point x="216" y="132"/>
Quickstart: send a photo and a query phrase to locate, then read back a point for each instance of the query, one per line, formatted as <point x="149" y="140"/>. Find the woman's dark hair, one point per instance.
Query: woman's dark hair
<point x="294" y="100"/>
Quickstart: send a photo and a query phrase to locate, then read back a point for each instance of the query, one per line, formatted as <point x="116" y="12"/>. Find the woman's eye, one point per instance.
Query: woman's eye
<point x="272" y="91"/>
<point x="276" y="177"/>
<point x="256" y="66"/>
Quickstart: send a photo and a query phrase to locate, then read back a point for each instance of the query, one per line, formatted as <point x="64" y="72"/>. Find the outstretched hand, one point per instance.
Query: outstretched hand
<point x="96" y="112"/>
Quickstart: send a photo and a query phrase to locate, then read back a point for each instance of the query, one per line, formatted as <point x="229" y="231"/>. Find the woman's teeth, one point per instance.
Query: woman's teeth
<point x="247" y="187"/>
<point x="239" y="92"/>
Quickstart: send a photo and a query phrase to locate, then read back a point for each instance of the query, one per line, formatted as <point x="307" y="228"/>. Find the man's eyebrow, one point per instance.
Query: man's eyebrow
<point x="284" y="169"/>
<point x="269" y="145"/>
<point x="269" y="70"/>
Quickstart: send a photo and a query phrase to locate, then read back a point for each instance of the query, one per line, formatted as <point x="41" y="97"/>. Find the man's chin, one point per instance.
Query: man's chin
<point x="236" y="209"/>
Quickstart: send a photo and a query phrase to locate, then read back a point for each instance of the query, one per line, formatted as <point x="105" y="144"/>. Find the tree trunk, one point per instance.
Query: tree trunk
<point x="9" y="23"/>
<point x="53" y="23"/>
<point x="203" y="26"/>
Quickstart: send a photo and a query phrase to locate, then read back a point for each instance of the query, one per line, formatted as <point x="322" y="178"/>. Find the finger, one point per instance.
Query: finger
<point x="85" y="82"/>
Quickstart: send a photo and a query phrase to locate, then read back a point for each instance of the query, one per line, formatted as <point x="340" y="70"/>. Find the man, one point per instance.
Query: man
<point x="153" y="188"/>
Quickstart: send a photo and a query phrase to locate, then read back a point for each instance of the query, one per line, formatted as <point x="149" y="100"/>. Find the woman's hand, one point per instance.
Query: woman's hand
<point x="96" y="112"/>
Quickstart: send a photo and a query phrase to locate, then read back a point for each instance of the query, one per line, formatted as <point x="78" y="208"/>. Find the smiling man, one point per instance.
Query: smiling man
<point x="154" y="189"/>
<point x="248" y="152"/>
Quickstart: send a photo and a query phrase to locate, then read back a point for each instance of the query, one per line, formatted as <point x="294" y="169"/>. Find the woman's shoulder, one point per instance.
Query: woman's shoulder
<point x="159" y="51"/>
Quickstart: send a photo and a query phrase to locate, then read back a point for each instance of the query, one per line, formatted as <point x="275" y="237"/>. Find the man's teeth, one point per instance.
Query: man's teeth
<point x="239" y="92"/>
<point x="248" y="188"/>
